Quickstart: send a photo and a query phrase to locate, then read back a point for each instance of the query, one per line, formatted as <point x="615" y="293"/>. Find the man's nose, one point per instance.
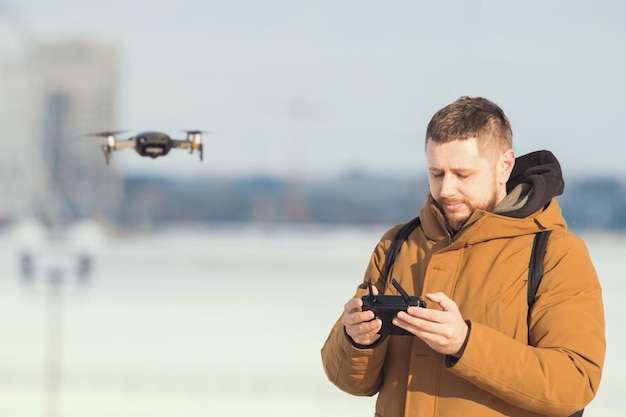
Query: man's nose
<point x="448" y="185"/>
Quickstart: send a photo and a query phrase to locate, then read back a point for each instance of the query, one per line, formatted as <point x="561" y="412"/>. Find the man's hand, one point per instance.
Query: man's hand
<point x="360" y="325"/>
<point x="444" y="331"/>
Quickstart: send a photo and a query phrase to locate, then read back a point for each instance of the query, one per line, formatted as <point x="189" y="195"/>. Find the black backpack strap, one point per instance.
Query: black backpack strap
<point x="535" y="269"/>
<point x="396" y="244"/>
<point x="535" y="274"/>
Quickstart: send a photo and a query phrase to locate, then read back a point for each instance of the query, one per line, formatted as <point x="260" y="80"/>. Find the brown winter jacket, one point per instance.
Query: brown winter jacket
<point x="553" y="369"/>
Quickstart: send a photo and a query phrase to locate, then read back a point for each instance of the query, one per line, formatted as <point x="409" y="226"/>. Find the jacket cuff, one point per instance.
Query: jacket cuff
<point x="452" y="360"/>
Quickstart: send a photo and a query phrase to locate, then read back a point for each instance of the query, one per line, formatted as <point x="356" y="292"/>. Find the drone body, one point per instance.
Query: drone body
<point x="152" y="144"/>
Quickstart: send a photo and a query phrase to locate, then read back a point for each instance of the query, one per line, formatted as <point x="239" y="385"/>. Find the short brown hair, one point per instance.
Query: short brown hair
<point x="472" y="117"/>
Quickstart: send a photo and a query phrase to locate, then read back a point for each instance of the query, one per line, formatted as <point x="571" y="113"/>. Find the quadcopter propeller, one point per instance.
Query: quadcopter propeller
<point x="194" y="131"/>
<point x="106" y="133"/>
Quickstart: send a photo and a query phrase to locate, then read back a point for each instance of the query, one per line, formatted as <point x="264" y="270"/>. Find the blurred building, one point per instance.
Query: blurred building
<point x="53" y="93"/>
<point x="20" y="181"/>
<point x="75" y="90"/>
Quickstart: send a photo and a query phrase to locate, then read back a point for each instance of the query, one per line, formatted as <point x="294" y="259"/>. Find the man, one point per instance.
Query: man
<point x="477" y="350"/>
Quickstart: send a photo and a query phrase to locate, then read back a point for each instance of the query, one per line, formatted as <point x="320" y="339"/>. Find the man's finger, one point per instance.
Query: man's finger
<point x="374" y="290"/>
<point x="360" y="317"/>
<point x="443" y="300"/>
<point x="353" y="305"/>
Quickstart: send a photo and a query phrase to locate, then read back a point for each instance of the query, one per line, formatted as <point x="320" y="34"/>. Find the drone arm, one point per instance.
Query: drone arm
<point x="185" y="144"/>
<point x="124" y="144"/>
<point x="181" y="144"/>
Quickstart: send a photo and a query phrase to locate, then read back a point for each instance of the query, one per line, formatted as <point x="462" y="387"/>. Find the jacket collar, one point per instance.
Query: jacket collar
<point x="483" y="225"/>
<point x="529" y="206"/>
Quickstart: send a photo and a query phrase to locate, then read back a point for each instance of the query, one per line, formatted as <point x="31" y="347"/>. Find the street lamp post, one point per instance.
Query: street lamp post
<point x="58" y="266"/>
<point x="54" y="342"/>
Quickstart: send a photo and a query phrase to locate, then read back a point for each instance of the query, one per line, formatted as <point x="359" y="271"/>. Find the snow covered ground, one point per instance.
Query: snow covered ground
<point x="224" y="320"/>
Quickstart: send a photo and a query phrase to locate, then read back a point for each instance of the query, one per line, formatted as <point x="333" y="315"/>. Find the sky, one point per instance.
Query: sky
<point x="323" y="88"/>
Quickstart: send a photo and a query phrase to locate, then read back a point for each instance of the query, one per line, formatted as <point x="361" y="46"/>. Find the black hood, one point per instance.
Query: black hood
<point x="535" y="180"/>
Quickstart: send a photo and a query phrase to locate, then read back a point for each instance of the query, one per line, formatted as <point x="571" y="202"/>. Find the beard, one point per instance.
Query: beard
<point x="456" y="220"/>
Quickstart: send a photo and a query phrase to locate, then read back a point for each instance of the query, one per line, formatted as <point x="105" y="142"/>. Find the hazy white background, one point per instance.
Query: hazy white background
<point x="218" y="321"/>
<point x="322" y="87"/>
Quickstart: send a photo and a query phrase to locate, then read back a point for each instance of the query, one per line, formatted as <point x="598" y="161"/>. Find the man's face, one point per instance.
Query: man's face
<point x="462" y="180"/>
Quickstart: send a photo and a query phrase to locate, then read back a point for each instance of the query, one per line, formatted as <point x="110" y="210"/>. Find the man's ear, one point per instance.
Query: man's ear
<point x="505" y="166"/>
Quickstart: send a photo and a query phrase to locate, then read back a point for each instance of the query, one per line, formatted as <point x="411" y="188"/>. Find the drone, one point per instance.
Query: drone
<point x="152" y="144"/>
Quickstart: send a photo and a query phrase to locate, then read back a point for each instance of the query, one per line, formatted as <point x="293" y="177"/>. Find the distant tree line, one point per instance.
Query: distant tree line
<point x="351" y="199"/>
